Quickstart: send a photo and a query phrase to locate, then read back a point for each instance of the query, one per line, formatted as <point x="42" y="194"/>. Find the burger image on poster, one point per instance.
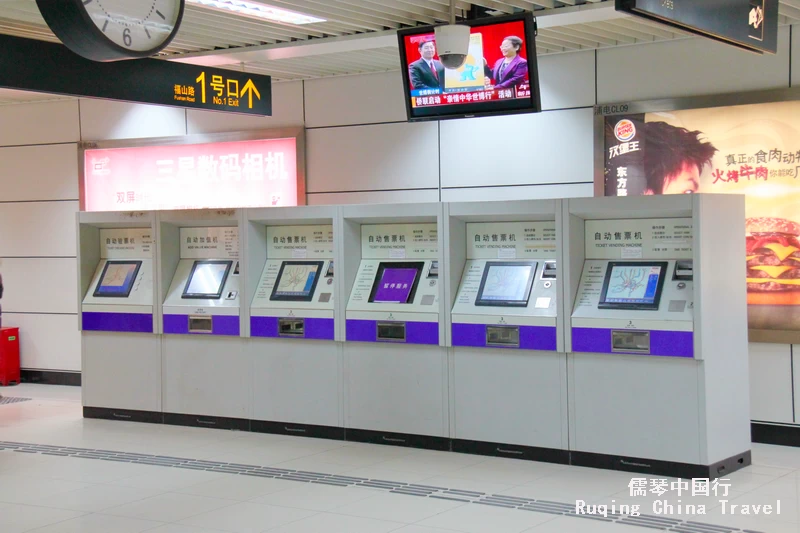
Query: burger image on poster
<point x="773" y="271"/>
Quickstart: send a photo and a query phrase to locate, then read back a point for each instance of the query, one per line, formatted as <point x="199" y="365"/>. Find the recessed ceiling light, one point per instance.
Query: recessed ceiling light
<point x="253" y="9"/>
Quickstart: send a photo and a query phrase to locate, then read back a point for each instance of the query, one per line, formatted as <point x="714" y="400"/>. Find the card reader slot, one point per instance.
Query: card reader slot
<point x="392" y="331"/>
<point x="291" y="327"/>
<point x="627" y="341"/>
<point x="505" y="336"/>
<point x="200" y="324"/>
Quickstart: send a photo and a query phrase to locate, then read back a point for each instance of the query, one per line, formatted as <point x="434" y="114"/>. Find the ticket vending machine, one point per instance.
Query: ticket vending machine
<point x="121" y="351"/>
<point x="658" y="348"/>
<point x="296" y="361"/>
<point x="507" y="343"/>
<point x="395" y="362"/>
<point x="206" y="370"/>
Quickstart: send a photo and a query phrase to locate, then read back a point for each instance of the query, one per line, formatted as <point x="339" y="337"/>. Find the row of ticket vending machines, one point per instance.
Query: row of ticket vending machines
<point x="605" y="332"/>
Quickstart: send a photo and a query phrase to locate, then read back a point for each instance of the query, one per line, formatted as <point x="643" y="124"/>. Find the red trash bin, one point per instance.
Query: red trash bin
<point x="9" y="356"/>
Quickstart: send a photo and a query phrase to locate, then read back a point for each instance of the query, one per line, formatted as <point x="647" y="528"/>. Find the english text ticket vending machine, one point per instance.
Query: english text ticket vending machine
<point x="200" y="264"/>
<point x="395" y="367"/>
<point x="508" y="356"/>
<point x="121" y="353"/>
<point x="297" y="363"/>
<point x="659" y="364"/>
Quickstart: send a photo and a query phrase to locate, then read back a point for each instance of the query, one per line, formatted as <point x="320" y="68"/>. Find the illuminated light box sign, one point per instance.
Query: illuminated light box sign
<point x="259" y="173"/>
<point x="751" y="149"/>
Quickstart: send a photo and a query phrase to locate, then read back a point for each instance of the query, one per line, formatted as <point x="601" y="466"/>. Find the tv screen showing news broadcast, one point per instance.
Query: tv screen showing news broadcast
<point x="500" y="75"/>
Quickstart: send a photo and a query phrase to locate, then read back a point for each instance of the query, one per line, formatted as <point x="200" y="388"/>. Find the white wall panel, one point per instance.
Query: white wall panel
<point x="36" y="229"/>
<point x="287" y="110"/>
<point x="47" y="342"/>
<point x="39" y="123"/>
<point x="687" y="67"/>
<point x="531" y="192"/>
<point x="103" y="120"/>
<point x="567" y="80"/>
<point x="770" y="382"/>
<point x="368" y="158"/>
<point x="40" y="285"/>
<point x="47" y="172"/>
<point x="375" y="197"/>
<point x="363" y="99"/>
<point x="549" y="147"/>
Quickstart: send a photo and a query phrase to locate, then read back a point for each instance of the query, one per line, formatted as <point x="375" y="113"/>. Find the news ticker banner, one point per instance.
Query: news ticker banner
<point x="749" y="149"/>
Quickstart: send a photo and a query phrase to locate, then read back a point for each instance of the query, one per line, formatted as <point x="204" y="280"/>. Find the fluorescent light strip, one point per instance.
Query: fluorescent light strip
<point x="252" y="9"/>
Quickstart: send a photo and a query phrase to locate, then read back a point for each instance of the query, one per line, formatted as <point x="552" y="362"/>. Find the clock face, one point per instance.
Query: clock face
<point x="135" y="25"/>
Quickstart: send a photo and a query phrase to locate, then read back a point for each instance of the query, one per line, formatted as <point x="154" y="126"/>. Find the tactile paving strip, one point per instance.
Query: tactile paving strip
<point x="12" y="399"/>
<point x="395" y="487"/>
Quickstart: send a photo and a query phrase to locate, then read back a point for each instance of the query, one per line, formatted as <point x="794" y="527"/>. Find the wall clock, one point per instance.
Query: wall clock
<point x="109" y="30"/>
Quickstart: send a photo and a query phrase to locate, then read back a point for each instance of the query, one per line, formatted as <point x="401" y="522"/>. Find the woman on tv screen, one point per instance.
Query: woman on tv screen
<point x="511" y="69"/>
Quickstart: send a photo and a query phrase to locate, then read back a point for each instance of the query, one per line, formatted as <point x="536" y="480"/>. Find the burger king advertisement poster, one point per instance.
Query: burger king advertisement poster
<point x="749" y="149"/>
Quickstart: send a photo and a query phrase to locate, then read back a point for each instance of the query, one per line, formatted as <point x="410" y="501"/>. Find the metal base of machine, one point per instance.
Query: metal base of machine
<point x="525" y="453"/>
<point x="781" y="435"/>
<point x="298" y="430"/>
<point x="511" y="451"/>
<point x="426" y="442"/>
<point x="661" y="468"/>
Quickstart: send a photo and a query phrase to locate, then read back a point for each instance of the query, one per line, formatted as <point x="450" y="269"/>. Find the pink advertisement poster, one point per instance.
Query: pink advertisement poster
<point x="259" y="173"/>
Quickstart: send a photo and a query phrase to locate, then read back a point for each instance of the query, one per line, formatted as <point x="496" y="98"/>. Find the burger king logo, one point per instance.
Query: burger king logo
<point x="625" y="130"/>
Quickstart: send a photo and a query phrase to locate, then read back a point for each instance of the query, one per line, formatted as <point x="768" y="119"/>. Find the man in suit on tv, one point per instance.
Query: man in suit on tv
<point x="511" y="69"/>
<point x="426" y="72"/>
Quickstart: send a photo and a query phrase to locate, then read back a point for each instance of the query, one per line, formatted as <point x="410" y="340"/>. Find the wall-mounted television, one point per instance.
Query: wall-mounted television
<point x="500" y="75"/>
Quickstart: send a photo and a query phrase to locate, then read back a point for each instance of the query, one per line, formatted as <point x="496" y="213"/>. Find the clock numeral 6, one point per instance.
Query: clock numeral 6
<point x="126" y="36"/>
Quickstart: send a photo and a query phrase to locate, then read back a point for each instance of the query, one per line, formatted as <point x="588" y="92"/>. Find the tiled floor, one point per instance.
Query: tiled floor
<point x="46" y="493"/>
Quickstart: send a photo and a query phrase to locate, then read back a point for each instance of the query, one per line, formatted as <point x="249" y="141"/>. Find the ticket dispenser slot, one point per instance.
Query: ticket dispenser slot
<point x="200" y="324"/>
<point x="549" y="271"/>
<point x="392" y="331"/>
<point x="630" y="341"/>
<point x="291" y="327"/>
<point x="503" y="336"/>
<point x="684" y="271"/>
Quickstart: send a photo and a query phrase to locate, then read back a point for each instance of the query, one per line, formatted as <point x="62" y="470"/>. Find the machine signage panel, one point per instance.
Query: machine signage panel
<point x="258" y="173"/>
<point x="399" y="241"/>
<point x="126" y="243"/>
<point x="210" y="243"/>
<point x="669" y="238"/>
<point x="33" y="65"/>
<point x="511" y="240"/>
<point x="300" y="242"/>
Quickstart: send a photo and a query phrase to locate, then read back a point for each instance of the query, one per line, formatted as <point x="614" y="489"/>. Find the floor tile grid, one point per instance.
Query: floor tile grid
<point x="409" y="489"/>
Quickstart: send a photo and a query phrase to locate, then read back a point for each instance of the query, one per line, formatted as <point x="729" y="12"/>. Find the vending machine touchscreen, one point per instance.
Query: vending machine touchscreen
<point x="120" y="294"/>
<point x="203" y="297"/>
<point x="294" y="297"/>
<point x="507" y="294"/>
<point x="396" y="293"/>
<point x="636" y="306"/>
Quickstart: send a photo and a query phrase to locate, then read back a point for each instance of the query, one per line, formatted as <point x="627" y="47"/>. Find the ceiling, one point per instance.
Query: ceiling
<point x="358" y="35"/>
